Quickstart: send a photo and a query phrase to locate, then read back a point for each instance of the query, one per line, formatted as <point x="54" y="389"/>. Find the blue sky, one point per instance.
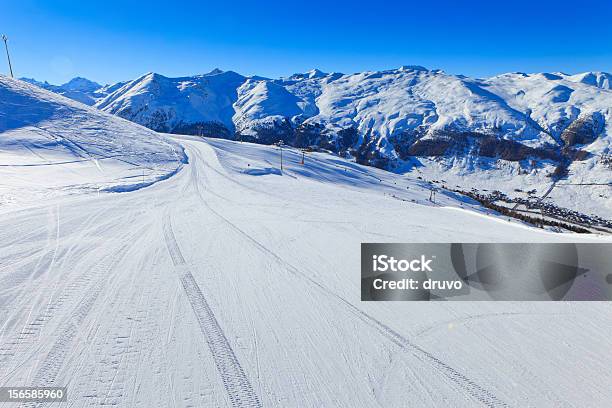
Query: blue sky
<point x="116" y="40"/>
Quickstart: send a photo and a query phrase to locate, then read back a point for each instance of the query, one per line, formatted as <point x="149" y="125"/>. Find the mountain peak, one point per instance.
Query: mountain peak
<point x="81" y="84"/>
<point x="215" y="71"/>
<point x="412" y="68"/>
<point x="151" y="77"/>
<point x="315" y="73"/>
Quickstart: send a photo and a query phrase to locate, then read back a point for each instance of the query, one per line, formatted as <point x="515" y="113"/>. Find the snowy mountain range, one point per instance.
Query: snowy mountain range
<point x="509" y="130"/>
<point x="379" y="117"/>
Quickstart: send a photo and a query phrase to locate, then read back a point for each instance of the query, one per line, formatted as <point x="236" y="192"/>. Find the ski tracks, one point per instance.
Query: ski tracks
<point x="50" y="367"/>
<point x="235" y="381"/>
<point x="476" y="391"/>
<point x="472" y="388"/>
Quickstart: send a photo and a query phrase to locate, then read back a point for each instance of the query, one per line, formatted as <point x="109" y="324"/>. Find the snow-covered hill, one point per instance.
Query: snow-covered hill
<point x="50" y="145"/>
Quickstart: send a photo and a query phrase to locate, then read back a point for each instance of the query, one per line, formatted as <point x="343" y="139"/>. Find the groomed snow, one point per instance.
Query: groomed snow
<point x="235" y="283"/>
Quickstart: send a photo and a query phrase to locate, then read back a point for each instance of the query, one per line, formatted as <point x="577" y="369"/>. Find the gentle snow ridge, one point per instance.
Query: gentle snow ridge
<point x="49" y="134"/>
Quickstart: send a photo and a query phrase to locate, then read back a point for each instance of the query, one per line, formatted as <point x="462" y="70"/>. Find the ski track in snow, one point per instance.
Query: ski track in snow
<point x="235" y="381"/>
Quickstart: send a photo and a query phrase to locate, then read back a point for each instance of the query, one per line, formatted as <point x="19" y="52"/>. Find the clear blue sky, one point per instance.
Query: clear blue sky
<point x="116" y="40"/>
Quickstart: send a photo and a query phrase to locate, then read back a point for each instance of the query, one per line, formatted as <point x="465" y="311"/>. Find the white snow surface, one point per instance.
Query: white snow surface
<point x="232" y="283"/>
<point x="51" y="145"/>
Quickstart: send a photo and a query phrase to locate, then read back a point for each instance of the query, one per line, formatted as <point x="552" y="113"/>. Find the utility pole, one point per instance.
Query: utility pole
<point x="280" y="145"/>
<point x="432" y="194"/>
<point x="5" y="39"/>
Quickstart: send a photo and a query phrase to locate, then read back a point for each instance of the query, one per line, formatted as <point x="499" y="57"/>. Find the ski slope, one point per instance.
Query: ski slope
<point x="232" y="283"/>
<point x="51" y="146"/>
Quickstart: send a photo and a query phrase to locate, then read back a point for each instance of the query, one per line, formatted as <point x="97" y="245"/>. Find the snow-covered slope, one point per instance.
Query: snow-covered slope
<point x="599" y="79"/>
<point x="555" y="102"/>
<point x="233" y="284"/>
<point x="51" y="145"/>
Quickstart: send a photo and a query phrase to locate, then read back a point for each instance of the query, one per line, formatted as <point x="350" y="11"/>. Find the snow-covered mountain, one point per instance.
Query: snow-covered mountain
<point x="79" y="89"/>
<point x="381" y="118"/>
<point x="506" y="132"/>
<point x="188" y="105"/>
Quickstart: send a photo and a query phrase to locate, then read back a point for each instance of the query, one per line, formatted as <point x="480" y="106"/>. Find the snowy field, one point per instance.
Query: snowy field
<point x="233" y="284"/>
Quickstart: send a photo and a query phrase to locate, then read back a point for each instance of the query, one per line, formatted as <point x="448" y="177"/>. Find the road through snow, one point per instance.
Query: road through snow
<point x="231" y="284"/>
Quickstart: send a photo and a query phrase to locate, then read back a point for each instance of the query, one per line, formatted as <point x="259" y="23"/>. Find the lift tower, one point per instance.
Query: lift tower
<point x="5" y="39"/>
